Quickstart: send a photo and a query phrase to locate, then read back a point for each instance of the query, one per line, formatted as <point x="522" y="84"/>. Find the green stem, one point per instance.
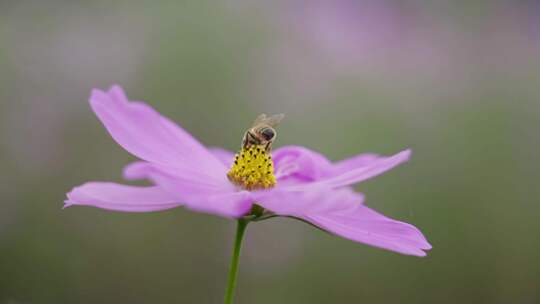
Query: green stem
<point x="235" y="259"/>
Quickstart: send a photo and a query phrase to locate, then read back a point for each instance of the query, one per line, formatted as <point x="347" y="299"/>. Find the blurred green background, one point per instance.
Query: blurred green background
<point x="456" y="81"/>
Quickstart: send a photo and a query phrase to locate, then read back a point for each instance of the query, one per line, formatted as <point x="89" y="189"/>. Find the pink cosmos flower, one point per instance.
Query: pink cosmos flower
<point x="185" y="173"/>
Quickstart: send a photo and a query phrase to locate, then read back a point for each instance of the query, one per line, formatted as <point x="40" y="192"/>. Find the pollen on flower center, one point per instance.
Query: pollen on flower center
<point x="253" y="168"/>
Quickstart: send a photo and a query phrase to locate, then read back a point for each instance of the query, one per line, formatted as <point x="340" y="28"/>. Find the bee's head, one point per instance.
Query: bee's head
<point x="267" y="133"/>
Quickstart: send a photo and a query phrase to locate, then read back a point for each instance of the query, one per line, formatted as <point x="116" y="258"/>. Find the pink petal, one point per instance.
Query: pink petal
<point x="369" y="227"/>
<point x="220" y="199"/>
<point x="343" y="176"/>
<point x="232" y="204"/>
<point x="357" y="161"/>
<point x="146" y="134"/>
<point x="300" y="203"/>
<point x="299" y="163"/>
<point x="341" y="212"/>
<point x="184" y="182"/>
<point x="225" y="156"/>
<point x="137" y="170"/>
<point x="118" y="197"/>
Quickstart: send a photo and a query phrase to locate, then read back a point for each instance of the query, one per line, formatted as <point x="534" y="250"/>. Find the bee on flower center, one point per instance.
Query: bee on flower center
<point x="262" y="132"/>
<point x="253" y="167"/>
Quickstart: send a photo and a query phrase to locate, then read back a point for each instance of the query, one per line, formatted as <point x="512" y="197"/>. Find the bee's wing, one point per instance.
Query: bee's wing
<point x="259" y="120"/>
<point x="271" y="121"/>
<point x="274" y="120"/>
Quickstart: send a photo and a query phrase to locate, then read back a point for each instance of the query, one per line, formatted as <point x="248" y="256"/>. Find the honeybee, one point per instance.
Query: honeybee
<point x="262" y="132"/>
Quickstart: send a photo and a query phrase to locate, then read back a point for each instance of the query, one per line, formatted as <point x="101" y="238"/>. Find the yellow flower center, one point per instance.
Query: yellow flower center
<point x="253" y="168"/>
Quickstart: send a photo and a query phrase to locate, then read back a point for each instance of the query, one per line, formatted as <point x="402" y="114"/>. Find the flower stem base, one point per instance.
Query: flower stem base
<point x="235" y="260"/>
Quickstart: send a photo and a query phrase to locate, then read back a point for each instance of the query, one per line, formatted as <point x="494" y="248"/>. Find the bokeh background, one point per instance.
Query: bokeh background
<point x="456" y="81"/>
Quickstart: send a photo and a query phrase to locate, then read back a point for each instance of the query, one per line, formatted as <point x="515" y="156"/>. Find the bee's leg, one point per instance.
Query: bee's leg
<point x="267" y="146"/>
<point x="244" y="141"/>
<point x="248" y="139"/>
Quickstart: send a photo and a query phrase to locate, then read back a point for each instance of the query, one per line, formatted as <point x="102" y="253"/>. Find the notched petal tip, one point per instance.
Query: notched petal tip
<point x="405" y="154"/>
<point x="118" y="93"/>
<point x="116" y="88"/>
<point x="115" y="94"/>
<point x="67" y="204"/>
<point x="97" y="95"/>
